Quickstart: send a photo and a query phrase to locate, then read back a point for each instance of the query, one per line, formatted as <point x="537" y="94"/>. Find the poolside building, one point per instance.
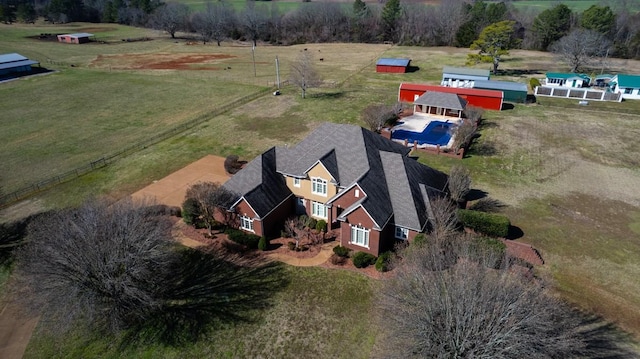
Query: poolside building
<point x="626" y="85"/>
<point x="462" y="76"/>
<point x="392" y="65"/>
<point x="440" y="103"/>
<point x="76" y="38"/>
<point x="511" y="91"/>
<point x="14" y="63"/>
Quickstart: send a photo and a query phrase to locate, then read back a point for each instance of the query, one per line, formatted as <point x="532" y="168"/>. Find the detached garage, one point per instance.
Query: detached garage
<point x="486" y="99"/>
<point x="511" y="91"/>
<point x="392" y="65"/>
<point x="77" y="38"/>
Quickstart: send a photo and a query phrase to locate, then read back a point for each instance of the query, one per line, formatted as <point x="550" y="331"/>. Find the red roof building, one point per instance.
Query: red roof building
<point x="392" y="65"/>
<point x="486" y="99"/>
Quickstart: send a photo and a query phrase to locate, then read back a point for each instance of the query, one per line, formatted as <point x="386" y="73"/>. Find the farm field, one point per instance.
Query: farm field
<point x="568" y="173"/>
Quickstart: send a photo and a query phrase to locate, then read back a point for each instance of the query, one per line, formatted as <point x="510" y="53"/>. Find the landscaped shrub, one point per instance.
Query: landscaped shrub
<point x="491" y="251"/>
<point x="420" y="239"/>
<point x="232" y="164"/>
<point x="321" y="226"/>
<point x="263" y="243"/>
<point x="311" y="223"/>
<point x="337" y="260"/>
<point x="341" y="251"/>
<point x="247" y="239"/>
<point x="291" y="246"/>
<point x="490" y="224"/>
<point x="382" y="263"/>
<point x="190" y="211"/>
<point x="534" y="83"/>
<point x="363" y="260"/>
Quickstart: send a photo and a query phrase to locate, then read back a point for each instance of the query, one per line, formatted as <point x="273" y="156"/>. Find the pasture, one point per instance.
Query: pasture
<point x="568" y="173"/>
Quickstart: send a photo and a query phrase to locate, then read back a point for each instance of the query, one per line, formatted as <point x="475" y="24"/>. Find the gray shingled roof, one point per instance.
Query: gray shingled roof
<point x="262" y="187"/>
<point x="390" y="179"/>
<point x="442" y="100"/>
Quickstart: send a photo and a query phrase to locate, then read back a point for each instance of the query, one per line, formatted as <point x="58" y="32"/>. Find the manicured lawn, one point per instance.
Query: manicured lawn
<point x="322" y="313"/>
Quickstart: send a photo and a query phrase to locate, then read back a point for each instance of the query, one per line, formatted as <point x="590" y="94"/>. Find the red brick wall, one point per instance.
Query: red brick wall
<point x="360" y="217"/>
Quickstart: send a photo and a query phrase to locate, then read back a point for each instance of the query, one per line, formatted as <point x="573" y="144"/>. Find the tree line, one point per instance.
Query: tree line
<point x="452" y="23"/>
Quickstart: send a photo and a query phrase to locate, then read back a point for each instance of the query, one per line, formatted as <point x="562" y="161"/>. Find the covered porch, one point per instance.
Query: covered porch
<point x="440" y="104"/>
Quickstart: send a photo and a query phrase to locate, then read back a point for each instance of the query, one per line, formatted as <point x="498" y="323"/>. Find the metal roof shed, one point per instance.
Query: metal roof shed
<point x="12" y="63"/>
<point x="76" y="38"/>
<point x="462" y="76"/>
<point x="512" y="91"/>
<point x="392" y="65"/>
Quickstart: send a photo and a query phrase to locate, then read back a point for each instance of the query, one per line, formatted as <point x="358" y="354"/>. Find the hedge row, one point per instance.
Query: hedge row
<point x="489" y="224"/>
<point x="247" y="239"/>
<point x="363" y="260"/>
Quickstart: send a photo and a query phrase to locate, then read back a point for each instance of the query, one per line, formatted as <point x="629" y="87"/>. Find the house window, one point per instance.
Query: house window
<point x="628" y="91"/>
<point x="402" y="233"/>
<point x="357" y="194"/>
<point x="360" y="236"/>
<point x="319" y="186"/>
<point x="296" y="182"/>
<point x="318" y="210"/>
<point x="246" y="223"/>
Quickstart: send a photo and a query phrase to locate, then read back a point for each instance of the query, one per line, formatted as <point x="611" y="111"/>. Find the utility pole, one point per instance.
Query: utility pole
<point x="277" y="73"/>
<point x="253" y="54"/>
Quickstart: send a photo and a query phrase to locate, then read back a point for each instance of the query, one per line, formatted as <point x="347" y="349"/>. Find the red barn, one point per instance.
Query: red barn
<point x="487" y="99"/>
<point x="392" y="65"/>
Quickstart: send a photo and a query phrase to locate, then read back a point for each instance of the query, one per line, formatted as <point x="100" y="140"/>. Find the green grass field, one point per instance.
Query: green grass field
<point x="322" y="313"/>
<point x="568" y="173"/>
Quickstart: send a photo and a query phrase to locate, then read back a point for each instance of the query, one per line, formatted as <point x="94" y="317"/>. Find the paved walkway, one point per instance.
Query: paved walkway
<point x="15" y="331"/>
<point x="325" y="252"/>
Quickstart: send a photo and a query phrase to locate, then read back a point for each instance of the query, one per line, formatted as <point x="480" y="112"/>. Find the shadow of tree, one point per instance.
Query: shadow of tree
<point x="205" y="291"/>
<point x="602" y="339"/>
<point x="328" y="95"/>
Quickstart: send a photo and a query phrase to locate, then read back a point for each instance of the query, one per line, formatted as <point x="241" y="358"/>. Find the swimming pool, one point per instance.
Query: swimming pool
<point x="436" y="133"/>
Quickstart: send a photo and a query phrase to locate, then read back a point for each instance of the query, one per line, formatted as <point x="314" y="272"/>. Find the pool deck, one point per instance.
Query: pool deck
<point x="418" y="122"/>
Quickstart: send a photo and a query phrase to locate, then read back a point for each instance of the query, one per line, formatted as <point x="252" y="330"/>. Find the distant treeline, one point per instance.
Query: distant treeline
<point x="453" y="23"/>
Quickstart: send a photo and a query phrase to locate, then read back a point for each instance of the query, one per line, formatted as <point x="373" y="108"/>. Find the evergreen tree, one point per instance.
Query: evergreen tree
<point x="599" y="18"/>
<point x="552" y="24"/>
<point x="390" y="16"/>
<point x="494" y="41"/>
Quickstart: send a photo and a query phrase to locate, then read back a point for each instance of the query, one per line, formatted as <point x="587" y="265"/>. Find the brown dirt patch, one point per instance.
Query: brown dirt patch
<point x="162" y="61"/>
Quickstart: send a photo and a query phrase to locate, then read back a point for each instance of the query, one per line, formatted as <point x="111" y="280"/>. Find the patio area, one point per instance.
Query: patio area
<point x="415" y="130"/>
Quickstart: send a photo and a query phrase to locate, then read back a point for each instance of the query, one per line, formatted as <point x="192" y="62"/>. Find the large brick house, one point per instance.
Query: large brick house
<point x="362" y="184"/>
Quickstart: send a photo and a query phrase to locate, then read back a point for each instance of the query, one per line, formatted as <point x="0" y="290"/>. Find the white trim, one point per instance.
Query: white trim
<point x="366" y="235"/>
<point x="404" y="233"/>
<point x="323" y="166"/>
<point x="314" y="184"/>
<point x="296" y="182"/>
<point x="315" y="204"/>
<point x="346" y="189"/>
<point x="248" y="220"/>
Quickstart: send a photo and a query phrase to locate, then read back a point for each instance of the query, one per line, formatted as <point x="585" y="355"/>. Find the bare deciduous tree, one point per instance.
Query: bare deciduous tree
<point x="581" y="48"/>
<point x="436" y="308"/>
<point x="304" y="74"/>
<point x="214" y="22"/>
<point x="253" y="20"/>
<point x="443" y="219"/>
<point x="211" y="197"/>
<point x="376" y="116"/>
<point x="99" y="262"/>
<point x="459" y="183"/>
<point x="464" y="133"/>
<point x="171" y="17"/>
<point x="474" y="113"/>
<point x="115" y="266"/>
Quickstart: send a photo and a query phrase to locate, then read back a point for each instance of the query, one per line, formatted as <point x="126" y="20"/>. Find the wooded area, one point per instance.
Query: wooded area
<point x="452" y="23"/>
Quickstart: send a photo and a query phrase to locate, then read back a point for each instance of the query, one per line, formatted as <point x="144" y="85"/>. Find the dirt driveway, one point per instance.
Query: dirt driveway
<point x="171" y="189"/>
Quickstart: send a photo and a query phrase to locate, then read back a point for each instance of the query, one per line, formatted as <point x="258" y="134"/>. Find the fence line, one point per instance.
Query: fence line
<point x="24" y="192"/>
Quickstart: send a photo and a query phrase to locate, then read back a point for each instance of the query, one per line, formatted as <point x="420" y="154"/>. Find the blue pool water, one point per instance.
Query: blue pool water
<point x="436" y="133"/>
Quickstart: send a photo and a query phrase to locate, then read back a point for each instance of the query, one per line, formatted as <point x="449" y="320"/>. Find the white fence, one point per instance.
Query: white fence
<point x="577" y="93"/>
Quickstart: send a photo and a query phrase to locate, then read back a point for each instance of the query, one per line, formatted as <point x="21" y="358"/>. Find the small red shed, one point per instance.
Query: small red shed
<point x="77" y="38"/>
<point x="399" y="66"/>
<point x="486" y="99"/>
